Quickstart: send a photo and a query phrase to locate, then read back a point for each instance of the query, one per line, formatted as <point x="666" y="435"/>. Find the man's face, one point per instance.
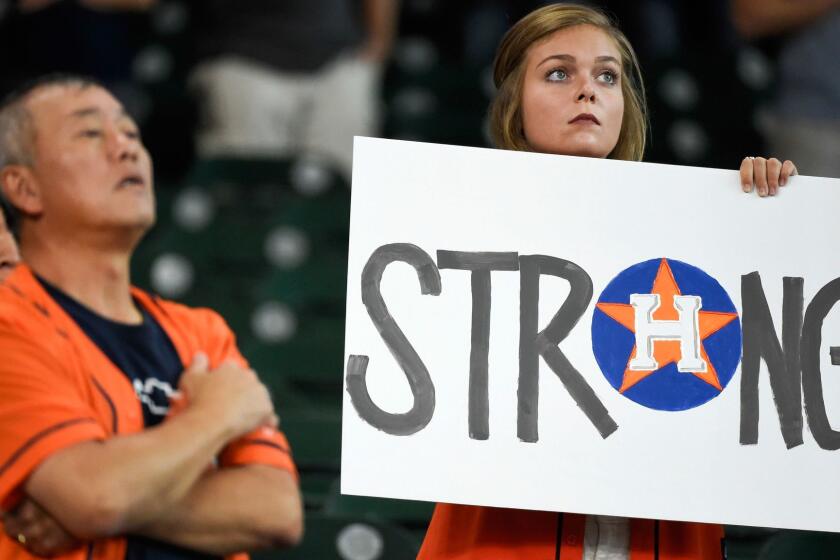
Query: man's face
<point x="9" y="256"/>
<point x="91" y="167"/>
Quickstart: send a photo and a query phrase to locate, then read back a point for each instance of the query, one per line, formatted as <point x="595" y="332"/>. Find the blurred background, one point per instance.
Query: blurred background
<point x="249" y="107"/>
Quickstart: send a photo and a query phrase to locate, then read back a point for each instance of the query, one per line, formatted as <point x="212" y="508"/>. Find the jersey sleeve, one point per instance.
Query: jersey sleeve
<point x="42" y="410"/>
<point x="263" y="446"/>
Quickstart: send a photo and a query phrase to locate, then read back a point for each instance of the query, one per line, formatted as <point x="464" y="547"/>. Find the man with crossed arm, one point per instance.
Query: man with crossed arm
<point x="9" y="256"/>
<point x="93" y="463"/>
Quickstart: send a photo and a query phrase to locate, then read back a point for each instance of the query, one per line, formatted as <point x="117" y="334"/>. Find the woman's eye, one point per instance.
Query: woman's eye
<point x="609" y="77"/>
<point x="90" y="133"/>
<point x="557" y="75"/>
<point x="133" y="134"/>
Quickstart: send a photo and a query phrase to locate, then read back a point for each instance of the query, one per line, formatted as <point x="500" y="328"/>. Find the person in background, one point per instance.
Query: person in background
<point x="9" y="254"/>
<point x="568" y="83"/>
<point x="804" y="118"/>
<point x="88" y="37"/>
<point x="281" y="79"/>
<point x="96" y="460"/>
<point x="127" y="5"/>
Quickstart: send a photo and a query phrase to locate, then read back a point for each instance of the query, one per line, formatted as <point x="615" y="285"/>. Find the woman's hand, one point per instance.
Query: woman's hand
<point x="766" y="174"/>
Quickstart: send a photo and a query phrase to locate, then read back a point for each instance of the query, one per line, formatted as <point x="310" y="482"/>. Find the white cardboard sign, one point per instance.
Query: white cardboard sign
<point x="595" y="336"/>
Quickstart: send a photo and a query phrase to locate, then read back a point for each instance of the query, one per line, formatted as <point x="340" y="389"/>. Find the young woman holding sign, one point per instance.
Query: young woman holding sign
<point x="569" y="83"/>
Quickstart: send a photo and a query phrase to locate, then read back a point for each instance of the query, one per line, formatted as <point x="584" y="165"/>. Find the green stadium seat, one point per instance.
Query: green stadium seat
<point x="408" y="513"/>
<point x="320" y="282"/>
<point x="313" y="357"/>
<point x="328" y="213"/>
<point x="450" y="127"/>
<point x="265" y="178"/>
<point x="315" y="437"/>
<point x="233" y="170"/>
<point x="286" y="397"/>
<point x="315" y="489"/>
<point x="745" y="543"/>
<point x="348" y="538"/>
<point x="787" y="545"/>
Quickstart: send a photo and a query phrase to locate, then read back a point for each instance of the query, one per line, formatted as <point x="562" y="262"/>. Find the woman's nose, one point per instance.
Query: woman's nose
<point x="587" y="94"/>
<point x="586" y="90"/>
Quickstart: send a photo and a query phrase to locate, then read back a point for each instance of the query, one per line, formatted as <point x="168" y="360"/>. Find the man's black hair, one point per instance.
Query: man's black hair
<point x="48" y="80"/>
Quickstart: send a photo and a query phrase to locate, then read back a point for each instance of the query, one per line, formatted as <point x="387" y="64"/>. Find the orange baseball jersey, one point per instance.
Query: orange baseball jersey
<point x="58" y="389"/>
<point x="476" y="533"/>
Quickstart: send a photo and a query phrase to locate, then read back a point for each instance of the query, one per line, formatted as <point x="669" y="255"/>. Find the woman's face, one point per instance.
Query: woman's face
<point x="571" y="96"/>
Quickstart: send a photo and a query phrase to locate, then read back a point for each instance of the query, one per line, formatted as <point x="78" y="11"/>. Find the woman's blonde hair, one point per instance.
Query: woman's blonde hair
<point x="506" y="126"/>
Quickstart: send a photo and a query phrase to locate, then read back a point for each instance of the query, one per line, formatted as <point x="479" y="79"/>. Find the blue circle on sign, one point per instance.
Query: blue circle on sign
<point x="672" y="383"/>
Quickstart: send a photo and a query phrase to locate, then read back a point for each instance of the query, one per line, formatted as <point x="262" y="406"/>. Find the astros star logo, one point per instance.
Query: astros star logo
<point x="658" y="345"/>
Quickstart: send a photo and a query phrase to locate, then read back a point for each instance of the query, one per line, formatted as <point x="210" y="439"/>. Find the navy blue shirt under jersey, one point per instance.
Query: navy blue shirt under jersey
<point x="146" y="355"/>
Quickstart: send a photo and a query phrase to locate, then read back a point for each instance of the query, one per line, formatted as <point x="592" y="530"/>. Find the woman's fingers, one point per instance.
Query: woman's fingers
<point x="788" y="170"/>
<point x="767" y="175"/>
<point x="774" y="170"/>
<point x="760" y="175"/>
<point x="747" y="174"/>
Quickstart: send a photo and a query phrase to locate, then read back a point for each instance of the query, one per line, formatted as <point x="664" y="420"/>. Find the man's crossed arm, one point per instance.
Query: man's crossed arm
<point x="157" y="483"/>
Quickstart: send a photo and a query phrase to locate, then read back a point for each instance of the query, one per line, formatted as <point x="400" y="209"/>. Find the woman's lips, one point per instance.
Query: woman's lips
<point x="585" y="118"/>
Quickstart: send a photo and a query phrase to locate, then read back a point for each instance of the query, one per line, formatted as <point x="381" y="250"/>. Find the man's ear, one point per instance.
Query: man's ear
<point x="21" y="189"/>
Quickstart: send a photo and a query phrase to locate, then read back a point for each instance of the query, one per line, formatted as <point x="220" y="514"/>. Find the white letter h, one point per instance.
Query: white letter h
<point x="686" y="330"/>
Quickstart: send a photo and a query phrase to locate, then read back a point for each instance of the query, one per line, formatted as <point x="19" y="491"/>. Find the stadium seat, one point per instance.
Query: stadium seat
<point x="348" y="538"/>
<point x="239" y="171"/>
<point x="315" y="489"/>
<point x="745" y="543"/>
<point x="801" y="544"/>
<point x="321" y="282"/>
<point x="315" y="437"/>
<point x="312" y="357"/>
<point x="408" y="513"/>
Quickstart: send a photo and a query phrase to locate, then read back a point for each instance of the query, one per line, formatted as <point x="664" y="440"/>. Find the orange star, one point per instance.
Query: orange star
<point x="666" y="352"/>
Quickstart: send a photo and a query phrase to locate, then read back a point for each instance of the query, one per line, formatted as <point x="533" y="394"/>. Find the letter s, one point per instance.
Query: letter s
<point x="422" y="388"/>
